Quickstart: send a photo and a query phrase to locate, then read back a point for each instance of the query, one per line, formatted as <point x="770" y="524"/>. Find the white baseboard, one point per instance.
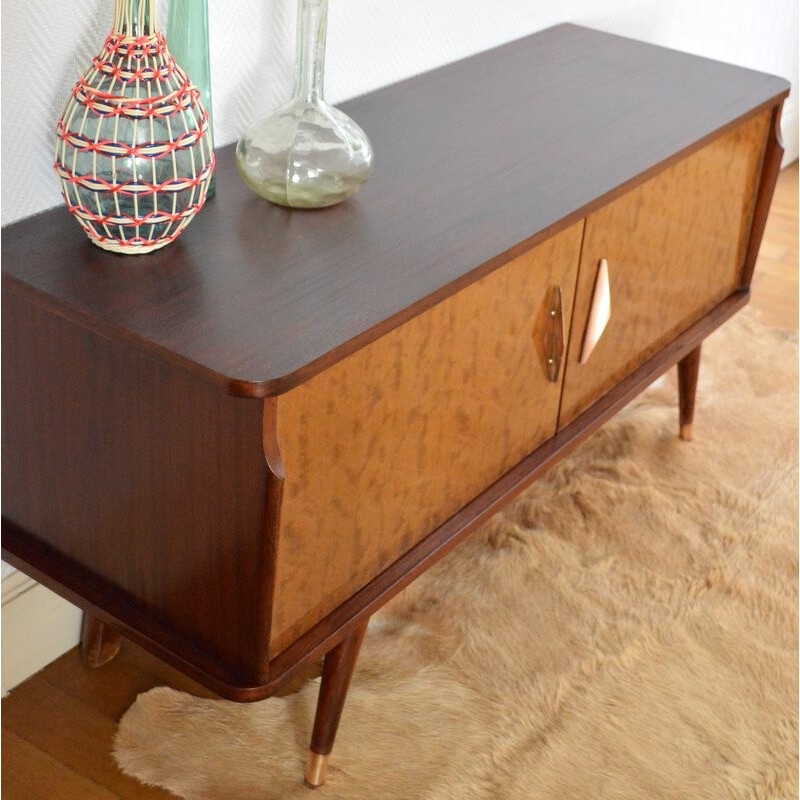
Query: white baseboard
<point x="38" y="627"/>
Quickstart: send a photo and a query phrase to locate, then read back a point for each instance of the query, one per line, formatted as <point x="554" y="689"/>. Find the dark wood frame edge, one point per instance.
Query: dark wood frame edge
<point x="19" y="546"/>
<point x="276" y="478"/>
<point x="770" y="167"/>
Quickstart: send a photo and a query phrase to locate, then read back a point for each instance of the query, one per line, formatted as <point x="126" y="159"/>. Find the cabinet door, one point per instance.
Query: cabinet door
<point x="674" y="248"/>
<point x="386" y="445"/>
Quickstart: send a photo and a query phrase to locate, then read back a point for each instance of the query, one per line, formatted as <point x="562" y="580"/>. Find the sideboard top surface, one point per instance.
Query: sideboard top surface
<point x="474" y="161"/>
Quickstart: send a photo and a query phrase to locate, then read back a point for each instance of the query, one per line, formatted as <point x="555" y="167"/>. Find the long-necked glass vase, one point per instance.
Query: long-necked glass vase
<point x="306" y="154"/>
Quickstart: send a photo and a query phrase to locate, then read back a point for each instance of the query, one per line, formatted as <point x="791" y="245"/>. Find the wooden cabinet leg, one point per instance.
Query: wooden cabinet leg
<point x="688" y="368"/>
<point x="336" y="673"/>
<point x="99" y="642"/>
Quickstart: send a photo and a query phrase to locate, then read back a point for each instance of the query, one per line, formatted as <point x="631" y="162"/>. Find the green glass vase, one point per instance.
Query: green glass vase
<point x="187" y="38"/>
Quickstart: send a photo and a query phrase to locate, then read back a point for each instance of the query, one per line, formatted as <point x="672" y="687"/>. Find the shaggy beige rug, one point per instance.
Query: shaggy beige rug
<point x="626" y="629"/>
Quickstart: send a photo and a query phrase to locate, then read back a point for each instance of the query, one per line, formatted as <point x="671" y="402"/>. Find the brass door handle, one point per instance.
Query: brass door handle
<point x="554" y="335"/>
<point x="599" y="313"/>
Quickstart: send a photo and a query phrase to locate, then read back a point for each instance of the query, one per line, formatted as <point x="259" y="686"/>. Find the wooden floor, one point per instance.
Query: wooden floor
<point x="775" y="278"/>
<point x="58" y="726"/>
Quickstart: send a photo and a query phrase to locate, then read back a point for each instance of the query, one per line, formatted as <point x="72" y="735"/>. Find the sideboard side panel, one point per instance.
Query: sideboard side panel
<point x="150" y="482"/>
<point x="386" y="445"/>
<point x="771" y="166"/>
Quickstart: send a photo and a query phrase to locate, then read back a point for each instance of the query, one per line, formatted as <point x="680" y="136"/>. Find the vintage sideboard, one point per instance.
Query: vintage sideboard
<point x="233" y="451"/>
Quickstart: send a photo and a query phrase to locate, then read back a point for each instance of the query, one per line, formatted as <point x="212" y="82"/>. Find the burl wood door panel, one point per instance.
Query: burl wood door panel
<point x="384" y="446"/>
<point x="674" y="247"/>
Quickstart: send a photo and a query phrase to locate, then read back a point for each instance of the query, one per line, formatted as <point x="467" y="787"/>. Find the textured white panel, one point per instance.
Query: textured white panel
<point x="7" y="569"/>
<point x="38" y="626"/>
<point x="371" y="43"/>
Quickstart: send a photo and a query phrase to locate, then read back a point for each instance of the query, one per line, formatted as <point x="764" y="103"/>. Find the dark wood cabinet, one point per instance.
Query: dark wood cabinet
<point x="236" y="449"/>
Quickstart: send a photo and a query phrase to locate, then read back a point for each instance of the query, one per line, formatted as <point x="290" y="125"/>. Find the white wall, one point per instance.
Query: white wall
<point x="371" y="43"/>
<point x="7" y="569"/>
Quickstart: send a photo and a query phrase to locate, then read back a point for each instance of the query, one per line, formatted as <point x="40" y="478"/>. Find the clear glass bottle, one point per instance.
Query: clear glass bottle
<point x="307" y="154"/>
<point x="188" y="41"/>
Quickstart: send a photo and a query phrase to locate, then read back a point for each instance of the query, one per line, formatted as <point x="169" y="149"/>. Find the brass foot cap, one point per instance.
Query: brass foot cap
<point x="686" y="432"/>
<point x="316" y="769"/>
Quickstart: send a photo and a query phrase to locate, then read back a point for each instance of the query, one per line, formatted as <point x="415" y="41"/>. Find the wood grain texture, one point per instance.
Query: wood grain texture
<point x="675" y="247"/>
<point x="65" y="718"/>
<point x="87" y="746"/>
<point x="344" y="619"/>
<point x="99" y="642"/>
<point x="775" y="282"/>
<point x="769" y="176"/>
<point x="384" y="446"/>
<point x="688" y="370"/>
<point x="475" y="163"/>
<point x="138" y="487"/>
<point x="336" y="674"/>
<point x="31" y="774"/>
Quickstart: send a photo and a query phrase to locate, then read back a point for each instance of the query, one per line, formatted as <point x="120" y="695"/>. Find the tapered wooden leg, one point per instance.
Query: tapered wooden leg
<point x="688" y="368"/>
<point x="336" y="673"/>
<point x="99" y="642"/>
